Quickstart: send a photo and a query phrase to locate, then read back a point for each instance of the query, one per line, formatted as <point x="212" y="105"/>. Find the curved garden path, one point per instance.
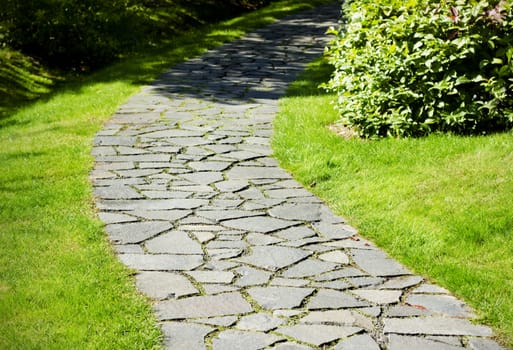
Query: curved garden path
<point x="233" y="251"/>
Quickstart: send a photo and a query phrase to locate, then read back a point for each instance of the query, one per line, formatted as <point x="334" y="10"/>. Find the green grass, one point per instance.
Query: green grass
<point x="442" y="205"/>
<point x="61" y="286"/>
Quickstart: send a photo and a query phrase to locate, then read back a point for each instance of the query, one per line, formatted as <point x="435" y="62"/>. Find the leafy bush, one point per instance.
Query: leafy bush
<point x="416" y="67"/>
<point x="84" y="34"/>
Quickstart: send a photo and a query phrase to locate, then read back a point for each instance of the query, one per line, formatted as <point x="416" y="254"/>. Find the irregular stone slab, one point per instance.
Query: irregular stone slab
<point x="430" y="289"/>
<point x="116" y="192"/>
<point x="179" y="335"/>
<point x="209" y="166"/>
<point x="296" y="233"/>
<point x="259" y="322"/>
<point x="273" y="258"/>
<point x="261" y="224"/>
<point x="203" y="306"/>
<point x="278" y="281"/>
<point x="128" y="248"/>
<point x="336" y="256"/>
<point x="333" y="299"/>
<point x="434" y="326"/>
<point x="203" y="237"/>
<point x="309" y="267"/>
<point x="273" y="298"/>
<point x="204" y="177"/>
<point x="289" y="193"/>
<point x="170" y="133"/>
<point x="343" y="273"/>
<point x="401" y="282"/>
<point x="338" y="317"/>
<point x="251" y="172"/>
<point x="136" y="232"/>
<point x="377" y="263"/>
<point x="365" y="281"/>
<point x="243" y="340"/>
<point x="168" y="215"/>
<point x="484" y="344"/>
<point x="334" y="231"/>
<point x="301" y="212"/>
<point x="379" y="296"/>
<point x="261" y="239"/>
<point x="164" y="285"/>
<point x="318" y="334"/>
<point x="408" y="311"/>
<point x="339" y="284"/>
<point x="291" y="346"/>
<point x="220" y="215"/>
<point x="251" y="277"/>
<point x="212" y="276"/>
<point x="115" y="218"/>
<point x="189" y="141"/>
<point x="151" y="204"/>
<point x="225" y="321"/>
<point x="161" y="262"/>
<point x="175" y="242"/>
<point x="398" y="342"/>
<point x="219" y="288"/>
<point x="232" y="185"/>
<point x="359" y="342"/>
<point x="444" y="304"/>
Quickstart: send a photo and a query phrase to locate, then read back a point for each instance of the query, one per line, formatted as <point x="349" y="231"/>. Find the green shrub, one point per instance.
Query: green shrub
<point x="409" y="68"/>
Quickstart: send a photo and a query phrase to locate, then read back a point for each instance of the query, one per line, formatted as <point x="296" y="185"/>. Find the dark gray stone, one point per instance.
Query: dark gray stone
<point x="179" y="335"/>
<point x="333" y="299"/>
<point x="318" y="334"/>
<point x="398" y="342"/>
<point x="164" y="285"/>
<point x="262" y="224"/>
<point x="273" y="258"/>
<point x="136" y="232"/>
<point x="434" y="326"/>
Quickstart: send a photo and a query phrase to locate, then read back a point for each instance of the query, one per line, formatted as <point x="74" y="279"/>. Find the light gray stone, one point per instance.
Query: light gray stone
<point x="232" y="185"/>
<point x="430" y="289"/>
<point x="333" y="299"/>
<point x="254" y="238"/>
<point x="358" y="342"/>
<point x="168" y="215"/>
<point x="164" y="285"/>
<point x="225" y="321"/>
<point x="296" y="233"/>
<point x="179" y="335"/>
<point x="261" y="224"/>
<point x="318" y="334"/>
<point x="203" y="177"/>
<point x="443" y="304"/>
<point x="212" y="289"/>
<point x="239" y="340"/>
<point x="398" y="342"/>
<point x="161" y="262"/>
<point x="273" y="258"/>
<point x="251" y="172"/>
<point x="175" y="242"/>
<point x="116" y="192"/>
<point x="301" y="212"/>
<point x="220" y="215"/>
<point x="401" y="282"/>
<point x="115" y="218"/>
<point x="259" y="322"/>
<point x="334" y="231"/>
<point x="336" y="256"/>
<point x="484" y="344"/>
<point x="136" y="232"/>
<point x="309" y="267"/>
<point x="290" y="282"/>
<point x="338" y="317"/>
<point x="209" y="166"/>
<point x="434" y="326"/>
<point x="151" y="204"/>
<point x="291" y="346"/>
<point x="339" y="284"/>
<point x="212" y="276"/>
<point x="380" y="297"/>
<point x="203" y="306"/>
<point x="251" y="277"/>
<point x="342" y="273"/>
<point x="273" y="298"/>
<point x="377" y="263"/>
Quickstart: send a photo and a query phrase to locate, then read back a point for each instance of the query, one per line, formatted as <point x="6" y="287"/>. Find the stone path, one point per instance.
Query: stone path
<point x="234" y="252"/>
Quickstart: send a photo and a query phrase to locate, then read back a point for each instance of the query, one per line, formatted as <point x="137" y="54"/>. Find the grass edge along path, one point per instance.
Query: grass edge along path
<point x="61" y="286"/>
<point x="441" y="204"/>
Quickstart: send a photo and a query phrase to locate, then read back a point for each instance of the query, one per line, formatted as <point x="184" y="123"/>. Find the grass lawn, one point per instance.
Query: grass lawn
<point x="442" y="205"/>
<point x="61" y="287"/>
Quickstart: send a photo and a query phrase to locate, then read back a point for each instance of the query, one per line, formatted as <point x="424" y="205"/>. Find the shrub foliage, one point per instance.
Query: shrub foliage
<point x="409" y="68"/>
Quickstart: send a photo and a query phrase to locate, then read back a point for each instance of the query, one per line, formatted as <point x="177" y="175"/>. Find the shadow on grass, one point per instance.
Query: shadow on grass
<point x="142" y="67"/>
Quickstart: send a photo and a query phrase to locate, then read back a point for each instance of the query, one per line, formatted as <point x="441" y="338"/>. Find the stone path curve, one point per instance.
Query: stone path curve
<point x="233" y="251"/>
